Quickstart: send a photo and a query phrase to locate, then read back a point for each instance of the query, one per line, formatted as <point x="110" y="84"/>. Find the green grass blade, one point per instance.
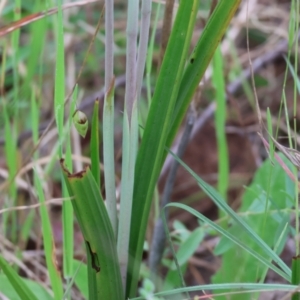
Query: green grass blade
<point x="155" y="134"/>
<point x="38" y="34"/>
<point x="94" y="222"/>
<point x="95" y="161"/>
<point x="10" y="129"/>
<point x="200" y="58"/>
<point x="20" y="287"/>
<point x="240" y="287"/>
<point x="220" y="123"/>
<point x="237" y="70"/>
<point x="10" y="151"/>
<point x="10" y="147"/>
<point x="54" y="274"/>
<point x="15" y="41"/>
<point x="270" y="130"/>
<point x="59" y="90"/>
<point x="10" y="156"/>
<point x="68" y="232"/>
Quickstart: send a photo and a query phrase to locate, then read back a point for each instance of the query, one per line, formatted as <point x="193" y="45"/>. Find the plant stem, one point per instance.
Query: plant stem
<point x="108" y="118"/>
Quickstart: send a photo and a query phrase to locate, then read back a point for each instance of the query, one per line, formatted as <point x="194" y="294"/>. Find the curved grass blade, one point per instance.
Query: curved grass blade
<point x="220" y="202"/>
<point x="230" y="236"/>
<point x="240" y="287"/>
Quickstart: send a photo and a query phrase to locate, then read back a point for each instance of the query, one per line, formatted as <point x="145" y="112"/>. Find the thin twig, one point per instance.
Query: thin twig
<point x="31" y="206"/>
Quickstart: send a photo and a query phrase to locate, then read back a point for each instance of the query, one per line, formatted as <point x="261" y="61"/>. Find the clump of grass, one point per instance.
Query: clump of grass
<point x="114" y="243"/>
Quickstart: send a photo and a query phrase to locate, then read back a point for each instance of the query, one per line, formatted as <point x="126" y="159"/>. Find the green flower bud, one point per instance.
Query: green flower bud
<point x="80" y="122"/>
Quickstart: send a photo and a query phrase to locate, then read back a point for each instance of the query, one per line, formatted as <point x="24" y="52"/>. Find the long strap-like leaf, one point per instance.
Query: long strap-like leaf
<point x="200" y="59"/>
<point x="171" y="98"/>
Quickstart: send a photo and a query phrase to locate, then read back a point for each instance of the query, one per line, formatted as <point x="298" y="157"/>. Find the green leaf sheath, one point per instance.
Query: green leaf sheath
<point x="97" y="231"/>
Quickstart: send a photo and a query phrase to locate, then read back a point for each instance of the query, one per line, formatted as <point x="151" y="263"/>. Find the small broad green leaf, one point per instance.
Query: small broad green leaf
<point x="185" y="251"/>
